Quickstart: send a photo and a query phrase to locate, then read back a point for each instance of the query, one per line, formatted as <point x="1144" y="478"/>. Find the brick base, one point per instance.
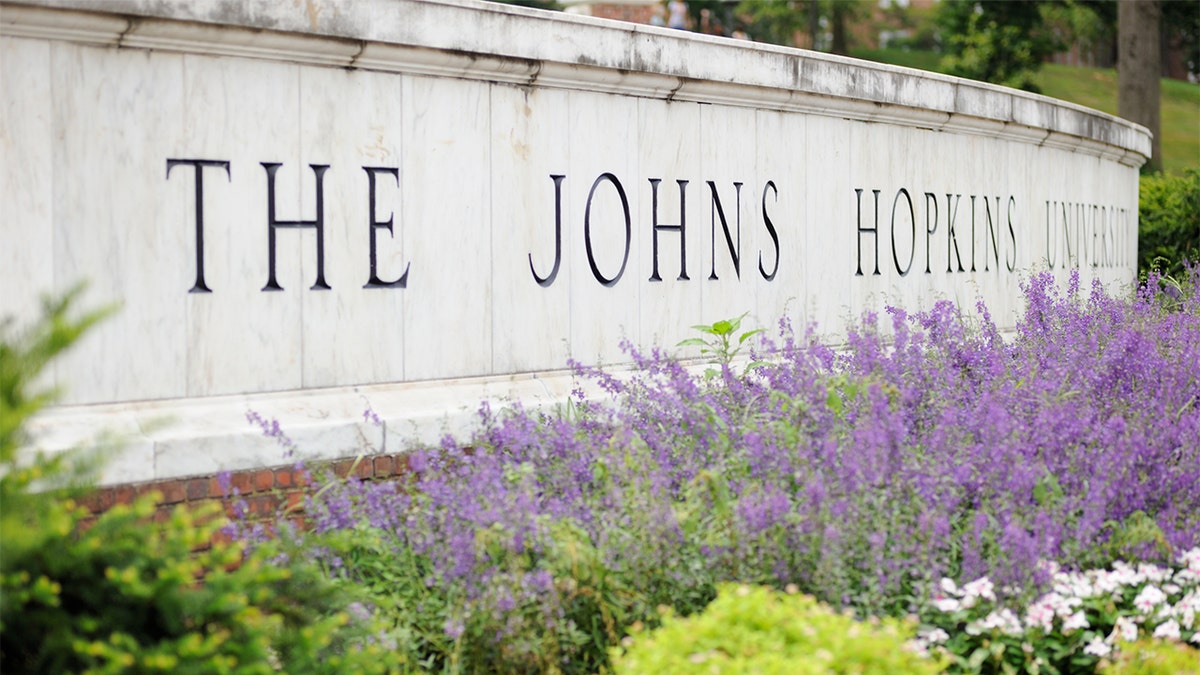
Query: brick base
<point x="265" y="492"/>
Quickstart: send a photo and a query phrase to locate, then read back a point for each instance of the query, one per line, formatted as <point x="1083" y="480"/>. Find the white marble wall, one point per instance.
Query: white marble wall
<point x="471" y="156"/>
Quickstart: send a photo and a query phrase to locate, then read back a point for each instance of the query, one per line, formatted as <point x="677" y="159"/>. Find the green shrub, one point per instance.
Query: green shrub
<point x="752" y="629"/>
<point x="1169" y="222"/>
<point x="1153" y="657"/>
<point x="124" y="593"/>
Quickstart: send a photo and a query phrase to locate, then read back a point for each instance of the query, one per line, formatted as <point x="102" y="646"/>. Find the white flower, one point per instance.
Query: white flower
<point x="917" y="647"/>
<point x="980" y="588"/>
<point x="936" y="635"/>
<point x="1153" y="573"/>
<point x="1097" y="648"/>
<point x="1186" y="576"/>
<point x="1075" y="622"/>
<point x="1040" y="614"/>
<point x="1003" y="619"/>
<point x="1149" y="598"/>
<point x="1074" y="585"/>
<point x="1167" y="631"/>
<point x="946" y="605"/>
<point x="949" y="587"/>
<point x="1046" y="608"/>
<point x="1124" y="629"/>
<point x="1107" y="582"/>
<point x="1191" y="560"/>
<point x="1186" y="609"/>
<point x="1124" y="575"/>
<point x="1048" y="566"/>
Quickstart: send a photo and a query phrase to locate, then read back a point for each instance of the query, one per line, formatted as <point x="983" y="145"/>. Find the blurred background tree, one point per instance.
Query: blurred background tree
<point x="997" y="41"/>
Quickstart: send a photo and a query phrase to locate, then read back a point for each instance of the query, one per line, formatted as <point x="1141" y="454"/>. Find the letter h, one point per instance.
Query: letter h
<point x="272" y="223"/>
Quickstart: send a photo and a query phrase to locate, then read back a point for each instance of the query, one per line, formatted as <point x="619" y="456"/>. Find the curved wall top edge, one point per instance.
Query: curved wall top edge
<point x="482" y="40"/>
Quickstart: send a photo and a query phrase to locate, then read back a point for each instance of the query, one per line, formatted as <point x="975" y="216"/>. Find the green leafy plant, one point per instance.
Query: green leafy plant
<point x="753" y="629"/>
<point x="123" y="592"/>
<point x="723" y="343"/>
<point x="1153" y="657"/>
<point x="24" y="354"/>
<point x="1169" y="224"/>
<point x="1000" y="42"/>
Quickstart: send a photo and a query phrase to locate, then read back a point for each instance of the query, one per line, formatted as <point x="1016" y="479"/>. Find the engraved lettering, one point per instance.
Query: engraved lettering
<point x="587" y="229"/>
<point x="372" y="224"/>
<point x="198" y="164"/>
<point x="681" y="228"/>
<point x="318" y="224"/>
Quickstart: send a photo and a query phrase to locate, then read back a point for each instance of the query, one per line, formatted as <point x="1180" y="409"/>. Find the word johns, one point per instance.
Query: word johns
<point x="718" y="213"/>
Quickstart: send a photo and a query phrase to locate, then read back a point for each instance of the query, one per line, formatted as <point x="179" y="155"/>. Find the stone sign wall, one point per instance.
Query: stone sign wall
<point x="310" y="210"/>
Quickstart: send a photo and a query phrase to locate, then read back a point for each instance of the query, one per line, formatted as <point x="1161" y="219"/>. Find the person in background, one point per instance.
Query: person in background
<point x="659" y="16"/>
<point x="678" y="14"/>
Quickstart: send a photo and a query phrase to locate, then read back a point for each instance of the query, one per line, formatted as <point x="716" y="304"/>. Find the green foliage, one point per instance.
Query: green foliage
<point x="723" y="344"/>
<point x="772" y="21"/>
<point x="1169" y="222"/>
<point x="1094" y="88"/>
<point x="1153" y="657"/>
<point x="125" y="593"/>
<point x="996" y="41"/>
<point x="23" y="355"/>
<point x="1135" y="537"/>
<point x="757" y="630"/>
<point x="504" y="626"/>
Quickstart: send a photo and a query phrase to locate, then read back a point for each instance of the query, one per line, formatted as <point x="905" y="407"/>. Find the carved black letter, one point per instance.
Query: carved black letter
<point x="912" y="221"/>
<point x="951" y="239"/>
<point x="272" y="223"/>
<point x="374" y="281"/>
<point x="200" y="286"/>
<point x="1012" y="235"/>
<point x="735" y="251"/>
<point x="681" y="227"/>
<point x="587" y="229"/>
<point x="873" y="230"/>
<point x="990" y="229"/>
<point x="771" y="231"/>
<point x="549" y="279"/>
<point x="930" y="200"/>
<point x="1049" y="236"/>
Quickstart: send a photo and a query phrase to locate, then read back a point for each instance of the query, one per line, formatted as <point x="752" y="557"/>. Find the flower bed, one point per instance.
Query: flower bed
<point x="929" y="447"/>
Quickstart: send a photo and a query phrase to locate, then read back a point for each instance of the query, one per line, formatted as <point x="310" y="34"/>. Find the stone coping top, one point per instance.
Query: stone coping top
<point x="473" y="39"/>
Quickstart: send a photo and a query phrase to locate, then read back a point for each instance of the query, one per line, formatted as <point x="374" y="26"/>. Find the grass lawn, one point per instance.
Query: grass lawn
<point x="1096" y="88"/>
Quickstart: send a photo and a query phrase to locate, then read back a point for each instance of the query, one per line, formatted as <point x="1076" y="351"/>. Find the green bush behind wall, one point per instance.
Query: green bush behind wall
<point x="1168" y="222"/>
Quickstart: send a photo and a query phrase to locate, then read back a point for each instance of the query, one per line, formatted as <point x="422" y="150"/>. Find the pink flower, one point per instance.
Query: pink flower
<point x="1124" y="629"/>
<point x="1168" y="630"/>
<point x="947" y="605"/>
<point x="1075" y="622"/>
<point x="1097" y="648"/>
<point x="1149" y="598"/>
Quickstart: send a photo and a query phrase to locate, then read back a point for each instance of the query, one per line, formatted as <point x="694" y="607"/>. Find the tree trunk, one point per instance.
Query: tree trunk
<point x="1139" y="66"/>
<point x="814" y="23"/>
<point x="838" y="19"/>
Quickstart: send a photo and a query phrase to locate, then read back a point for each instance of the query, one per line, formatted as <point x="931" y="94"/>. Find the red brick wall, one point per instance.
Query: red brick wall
<point x="265" y="491"/>
<point x="634" y="13"/>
